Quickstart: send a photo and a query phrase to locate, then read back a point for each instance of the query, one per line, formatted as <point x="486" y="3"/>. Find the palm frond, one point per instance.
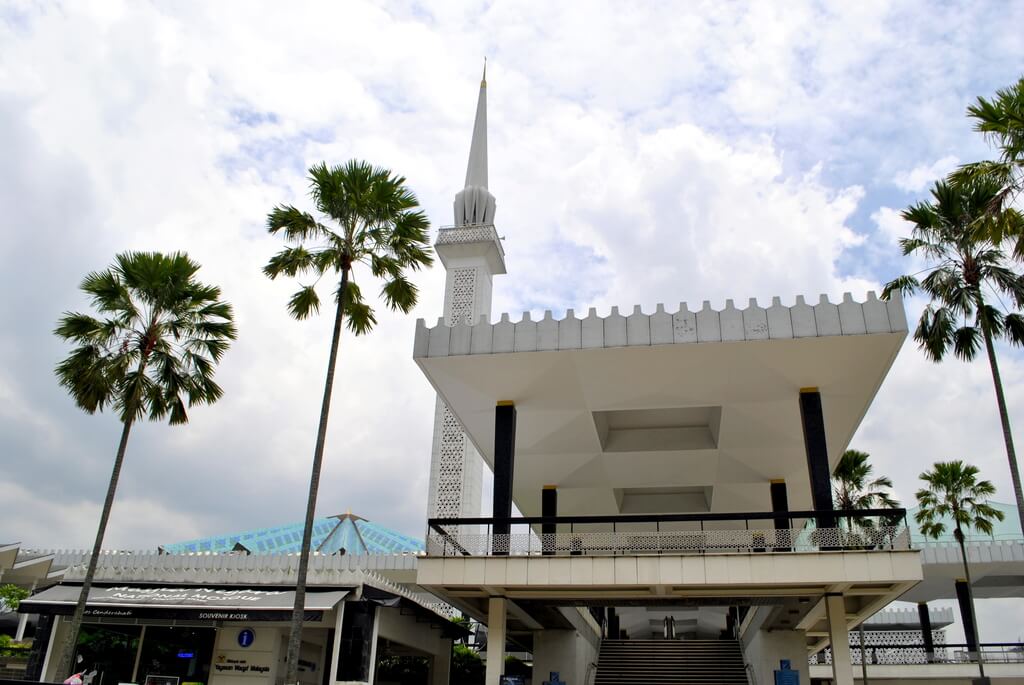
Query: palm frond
<point x="304" y="303"/>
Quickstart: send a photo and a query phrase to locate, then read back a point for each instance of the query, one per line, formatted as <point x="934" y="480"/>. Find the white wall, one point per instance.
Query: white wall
<point x="230" y="660"/>
<point x="570" y="652"/>
<point x="763" y="650"/>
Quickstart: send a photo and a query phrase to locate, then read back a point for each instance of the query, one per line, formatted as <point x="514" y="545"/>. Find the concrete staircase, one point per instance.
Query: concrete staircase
<point x="670" y="662"/>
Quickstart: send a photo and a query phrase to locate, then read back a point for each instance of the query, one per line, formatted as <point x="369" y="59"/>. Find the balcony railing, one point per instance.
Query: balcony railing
<point x="468" y="233"/>
<point x="909" y="654"/>
<point x="732" y="533"/>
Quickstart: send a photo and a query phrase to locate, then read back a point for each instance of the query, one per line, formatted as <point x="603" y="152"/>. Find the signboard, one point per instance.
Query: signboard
<point x="246" y="637"/>
<point x="785" y="676"/>
<point x="193" y="603"/>
<point x="238" y="663"/>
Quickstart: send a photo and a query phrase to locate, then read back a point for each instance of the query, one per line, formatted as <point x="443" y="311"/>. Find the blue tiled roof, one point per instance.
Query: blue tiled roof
<point x="331" y="534"/>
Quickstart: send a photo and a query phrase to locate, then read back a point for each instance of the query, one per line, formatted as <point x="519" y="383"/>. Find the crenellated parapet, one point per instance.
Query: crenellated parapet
<point x="776" y="322"/>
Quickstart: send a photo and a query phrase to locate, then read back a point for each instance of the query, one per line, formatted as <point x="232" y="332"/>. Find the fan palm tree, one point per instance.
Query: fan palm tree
<point x="954" y="493"/>
<point x="150" y="351"/>
<point x="968" y="277"/>
<point x="1001" y="120"/>
<point x="853" y="488"/>
<point x="367" y="217"/>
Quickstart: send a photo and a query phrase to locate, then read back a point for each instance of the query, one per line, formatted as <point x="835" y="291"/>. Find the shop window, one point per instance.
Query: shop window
<point x="110" y="650"/>
<point x="185" y="653"/>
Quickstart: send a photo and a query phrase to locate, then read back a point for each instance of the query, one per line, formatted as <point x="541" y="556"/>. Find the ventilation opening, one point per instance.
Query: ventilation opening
<point x="658" y="430"/>
<point x="664" y="500"/>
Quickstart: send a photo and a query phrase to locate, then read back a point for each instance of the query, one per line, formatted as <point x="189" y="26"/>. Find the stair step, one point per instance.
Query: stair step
<point x="670" y="662"/>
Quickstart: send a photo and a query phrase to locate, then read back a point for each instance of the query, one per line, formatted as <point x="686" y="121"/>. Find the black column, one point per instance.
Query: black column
<point x="41" y="640"/>
<point x="963" y="597"/>
<point x="780" y="505"/>
<point x="548" y="507"/>
<point x="504" y="461"/>
<point x="817" y="454"/>
<point x="613" y="624"/>
<point x="926" y="631"/>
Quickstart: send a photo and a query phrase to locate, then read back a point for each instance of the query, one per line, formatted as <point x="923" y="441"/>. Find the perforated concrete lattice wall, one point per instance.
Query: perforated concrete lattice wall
<point x="448" y="493"/>
<point x="463" y="294"/>
<point x="452" y="492"/>
<point x="892" y="652"/>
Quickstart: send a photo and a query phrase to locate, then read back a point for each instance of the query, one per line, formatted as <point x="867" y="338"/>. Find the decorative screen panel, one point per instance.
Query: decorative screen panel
<point x="463" y="296"/>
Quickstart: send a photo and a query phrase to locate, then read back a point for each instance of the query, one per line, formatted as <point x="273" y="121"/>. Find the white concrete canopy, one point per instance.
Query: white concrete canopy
<point x="705" y="404"/>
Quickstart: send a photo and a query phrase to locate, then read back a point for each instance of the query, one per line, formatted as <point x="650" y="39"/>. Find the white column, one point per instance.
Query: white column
<point x="842" y="667"/>
<point x="339" y="614"/>
<point x="55" y="634"/>
<point x="19" y="635"/>
<point x="496" y="640"/>
<point x="440" y="666"/>
<point x="372" y="673"/>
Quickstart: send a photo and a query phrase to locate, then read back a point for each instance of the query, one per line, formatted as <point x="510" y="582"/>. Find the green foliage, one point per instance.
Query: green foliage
<point x="853" y="487"/>
<point x="965" y="270"/>
<point x="153" y="347"/>
<point x="11" y="595"/>
<point x="954" y="492"/>
<point x="1001" y="121"/>
<point x="372" y="219"/>
<point x="515" y="666"/>
<point x="467" y="667"/>
<point x="403" y="669"/>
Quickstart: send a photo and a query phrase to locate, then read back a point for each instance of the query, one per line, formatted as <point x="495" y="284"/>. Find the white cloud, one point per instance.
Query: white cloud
<point x="924" y="176"/>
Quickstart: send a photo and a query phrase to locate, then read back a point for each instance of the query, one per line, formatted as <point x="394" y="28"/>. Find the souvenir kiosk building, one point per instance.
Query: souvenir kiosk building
<point x="676" y="462"/>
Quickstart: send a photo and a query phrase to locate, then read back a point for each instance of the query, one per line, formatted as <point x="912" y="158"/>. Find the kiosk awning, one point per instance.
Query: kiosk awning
<point x="195" y="603"/>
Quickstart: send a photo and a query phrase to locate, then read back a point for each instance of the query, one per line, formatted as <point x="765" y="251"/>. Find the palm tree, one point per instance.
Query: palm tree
<point x="371" y="219"/>
<point x="853" y="488"/>
<point x="154" y="344"/>
<point x="954" y="493"/>
<point x="968" y="277"/>
<point x="1001" y="120"/>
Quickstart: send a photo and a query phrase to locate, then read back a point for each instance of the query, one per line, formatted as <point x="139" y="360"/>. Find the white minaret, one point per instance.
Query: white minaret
<point x="471" y="253"/>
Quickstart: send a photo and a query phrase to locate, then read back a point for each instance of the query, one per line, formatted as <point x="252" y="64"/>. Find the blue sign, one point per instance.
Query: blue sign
<point x="246" y="637"/>
<point x="554" y="678"/>
<point x="786" y="676"/>
<point x="186" y="655"/>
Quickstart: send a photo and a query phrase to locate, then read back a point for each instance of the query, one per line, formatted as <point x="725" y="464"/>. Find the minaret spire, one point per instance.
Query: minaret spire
<point x="475" y="204"/>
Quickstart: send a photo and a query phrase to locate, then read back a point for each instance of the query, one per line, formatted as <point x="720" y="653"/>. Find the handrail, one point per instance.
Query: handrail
<point x="893" y="514"/>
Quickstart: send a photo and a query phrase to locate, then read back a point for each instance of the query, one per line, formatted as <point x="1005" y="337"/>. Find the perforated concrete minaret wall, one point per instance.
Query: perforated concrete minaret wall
<point x="471" y="253"/>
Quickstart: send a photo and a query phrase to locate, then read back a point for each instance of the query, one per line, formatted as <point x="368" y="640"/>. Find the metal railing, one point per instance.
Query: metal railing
<point x="909" y="654"/>
<point x="753" y="532"/>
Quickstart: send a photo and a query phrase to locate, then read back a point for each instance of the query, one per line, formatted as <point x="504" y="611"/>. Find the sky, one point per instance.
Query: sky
<point x="660" y="152"/>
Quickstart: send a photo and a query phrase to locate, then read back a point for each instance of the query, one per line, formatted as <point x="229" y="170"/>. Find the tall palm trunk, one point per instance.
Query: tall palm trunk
<point x="970" y="598"/>
<point x="68" y="648"/>
<point x="298" y="611"/>
<point x="1004" y="417"/>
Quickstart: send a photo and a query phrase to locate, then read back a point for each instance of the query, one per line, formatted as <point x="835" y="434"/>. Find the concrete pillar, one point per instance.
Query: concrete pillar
<point x="818" y="470"/>
<point x="504" y="466"/>
<point x="926" y="631"/>
<point x="371" y="675"/>
<point x="548" y="507"/>
<point x="842" y="666"/>
<point x="441" y="666"/>
<point x="963" y="598"/>
<point x="496" y="607"/>
<point x="335" y="647"/>
<point x="780" y="505"/>
<point x="19" y="635"/>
